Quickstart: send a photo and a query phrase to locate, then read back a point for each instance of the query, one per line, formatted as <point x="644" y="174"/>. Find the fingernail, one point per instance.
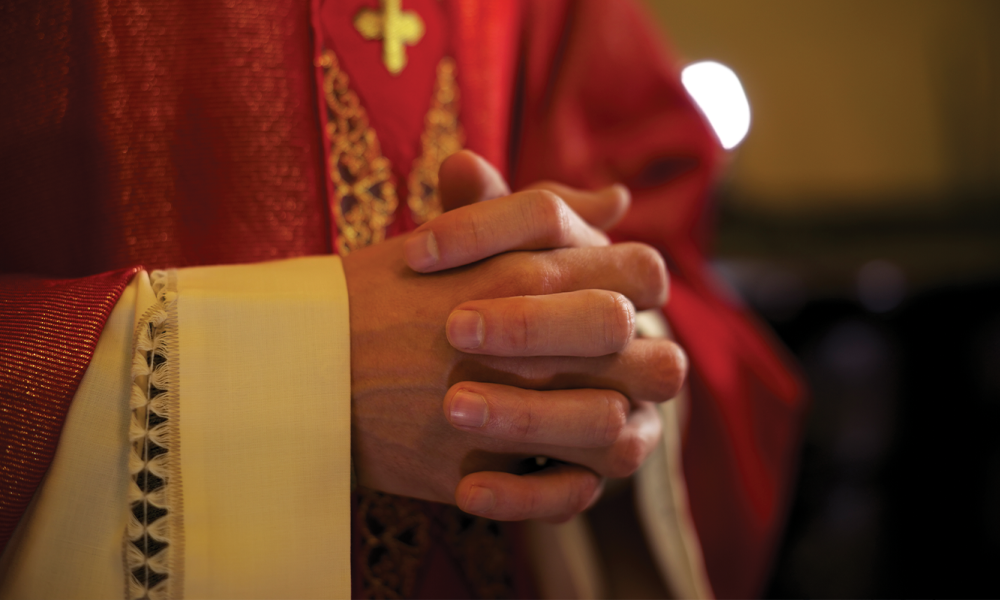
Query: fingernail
<point x="480" y="500"/>
<point x="421" y="250"/>
<point x="468" y="409"/>
<point x="465" y="329"/>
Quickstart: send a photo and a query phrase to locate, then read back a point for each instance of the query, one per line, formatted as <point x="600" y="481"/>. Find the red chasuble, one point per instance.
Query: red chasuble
<point x="181" y="133"/>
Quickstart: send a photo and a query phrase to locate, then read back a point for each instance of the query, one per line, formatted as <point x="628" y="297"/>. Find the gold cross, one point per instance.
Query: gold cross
<point x="395" y="27"/>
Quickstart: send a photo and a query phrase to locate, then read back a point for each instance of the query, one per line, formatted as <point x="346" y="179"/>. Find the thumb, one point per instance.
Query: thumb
<point x="600" y="209"/>
<point x="467" y="178"/>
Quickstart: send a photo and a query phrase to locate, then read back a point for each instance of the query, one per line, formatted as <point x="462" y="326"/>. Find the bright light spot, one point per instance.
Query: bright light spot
<point x="719" y="95"/>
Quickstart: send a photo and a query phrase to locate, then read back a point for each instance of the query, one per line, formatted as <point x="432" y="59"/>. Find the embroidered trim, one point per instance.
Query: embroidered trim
<point x="154" y="537"/>
<point x="395" y="538"/>
<point x="396" y="28"/>
<point x="442" y="137"/>
<point x="365" y="196"/>
<point x="397" y="534"/>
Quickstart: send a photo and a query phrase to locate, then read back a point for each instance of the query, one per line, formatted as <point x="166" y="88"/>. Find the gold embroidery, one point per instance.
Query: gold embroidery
<point x="395" y="27"/>
<point x="442" y="137"/>
<point x="397" y="535"/>
<point x="364" y="192"/>
<point x="394" y="539"/>
<point x="365" y="197"/>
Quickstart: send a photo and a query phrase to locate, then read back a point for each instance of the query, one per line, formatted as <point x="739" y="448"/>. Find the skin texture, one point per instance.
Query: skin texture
<point x="532" y="350"/>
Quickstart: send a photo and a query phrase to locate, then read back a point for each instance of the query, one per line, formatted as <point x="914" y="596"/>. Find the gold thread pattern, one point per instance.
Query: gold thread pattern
<point x="442" y="137"/>
<point x="364" y="193"/>
<point x="365" y="197"/>
<point x="395" y="27"/>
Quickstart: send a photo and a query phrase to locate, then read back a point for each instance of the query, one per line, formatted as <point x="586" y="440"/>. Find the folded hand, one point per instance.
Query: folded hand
<point x="537" y="357"/>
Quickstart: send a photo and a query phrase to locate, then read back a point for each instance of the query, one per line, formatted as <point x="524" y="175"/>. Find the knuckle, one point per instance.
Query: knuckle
<point x="516" y="274"/>
<point x="473" y="225"/>
<point x="553" y="214"/>
<point x="554" y="276"/>
<point x="524" y="422"/>
<point x="618" y="320"/>
<point x="507" y="275"/>
<point x="518" y="329"/>
<point x="544" y="276"/>
<point x="627" y="457"/>
<point x="616" y="414"/>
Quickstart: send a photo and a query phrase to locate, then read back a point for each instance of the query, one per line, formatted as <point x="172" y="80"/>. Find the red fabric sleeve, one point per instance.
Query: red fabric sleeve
<point x="166" y="134"/>
<point x="48" y="333"/>
<point x="604" y="103"/>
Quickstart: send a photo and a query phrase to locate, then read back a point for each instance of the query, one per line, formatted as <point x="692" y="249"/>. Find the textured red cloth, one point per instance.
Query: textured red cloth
<point x="48" y="332"/>
<point x="186" y="133"/>
<point x="164" y="133"/>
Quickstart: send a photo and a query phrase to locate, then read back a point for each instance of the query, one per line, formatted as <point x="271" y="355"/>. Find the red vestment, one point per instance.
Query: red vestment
<point x="182" y="133"/>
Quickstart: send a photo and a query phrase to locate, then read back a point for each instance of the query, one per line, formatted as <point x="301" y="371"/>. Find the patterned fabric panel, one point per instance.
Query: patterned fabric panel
<point x="48" y="333"/>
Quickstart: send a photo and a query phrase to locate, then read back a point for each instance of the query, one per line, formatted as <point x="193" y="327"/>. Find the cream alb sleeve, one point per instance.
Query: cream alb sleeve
<point x="207" y="451"/>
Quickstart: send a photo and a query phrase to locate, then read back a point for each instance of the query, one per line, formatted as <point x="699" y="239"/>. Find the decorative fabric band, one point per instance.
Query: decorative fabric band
<point x="155" y="533"/>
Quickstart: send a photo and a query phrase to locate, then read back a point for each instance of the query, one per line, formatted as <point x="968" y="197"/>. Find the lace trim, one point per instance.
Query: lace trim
<point x="154" y="537"/>
<point x="442" y="137"/>
<point x="397" y="534"/>
<point x="362" y="177"/>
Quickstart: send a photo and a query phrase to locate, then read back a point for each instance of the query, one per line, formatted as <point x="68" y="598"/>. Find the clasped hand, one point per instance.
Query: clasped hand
<point x="520" y="315"/>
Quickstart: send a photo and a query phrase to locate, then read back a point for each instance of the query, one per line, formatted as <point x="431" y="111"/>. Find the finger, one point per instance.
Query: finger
<point x="652" y="370"/>
<point x="635" y="442"/>
<point x="601" y="208"/>
<point x="581" y="418"/>
<point x="555" y="493"/>
<point x="580" y="323"/>
<point x="632" y="269"/>
<point x="531" y="220"/>
<point x="466" y="178"/>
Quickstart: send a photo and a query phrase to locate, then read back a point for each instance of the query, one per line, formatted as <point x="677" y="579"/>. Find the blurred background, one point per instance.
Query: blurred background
<point x="860" y="217"/>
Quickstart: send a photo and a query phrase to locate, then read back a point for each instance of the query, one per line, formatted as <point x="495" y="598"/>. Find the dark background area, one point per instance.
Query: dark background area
<point x="899" y="484"/>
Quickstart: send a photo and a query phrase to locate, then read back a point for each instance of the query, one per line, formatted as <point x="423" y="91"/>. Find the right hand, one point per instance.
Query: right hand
<point x="569" y="308"/>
